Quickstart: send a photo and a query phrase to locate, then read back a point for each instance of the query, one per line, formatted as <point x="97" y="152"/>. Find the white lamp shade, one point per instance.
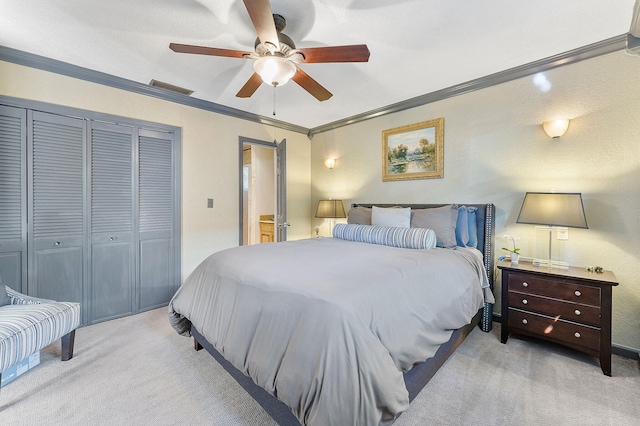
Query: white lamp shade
<point x="330" y="209"/>
<point x="330" y="163"/>
<point x="556" y="128"/>
<point x="553" y="209"/>
<point x="274" y="70"/>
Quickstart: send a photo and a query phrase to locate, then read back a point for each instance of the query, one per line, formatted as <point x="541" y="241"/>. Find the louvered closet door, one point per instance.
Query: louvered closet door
<point x="56" y="214"/>
<point x="156" y="253"/>
<point x="112" y="267"/>
<point x="13" y="197"/>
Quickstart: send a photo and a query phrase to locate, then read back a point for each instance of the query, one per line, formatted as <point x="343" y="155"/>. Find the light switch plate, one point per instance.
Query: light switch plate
<point x="209" y="203"/>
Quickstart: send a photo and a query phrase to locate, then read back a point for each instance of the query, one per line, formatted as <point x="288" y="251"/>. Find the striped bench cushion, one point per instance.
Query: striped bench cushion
<point x="27" y="328"/>
<point x="411" y="238"/>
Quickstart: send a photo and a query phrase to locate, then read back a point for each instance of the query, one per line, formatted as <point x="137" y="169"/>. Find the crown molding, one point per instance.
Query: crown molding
<point x="587" y="52"/>
<point x="52" y="65"/>
<point x="593" y="50"/>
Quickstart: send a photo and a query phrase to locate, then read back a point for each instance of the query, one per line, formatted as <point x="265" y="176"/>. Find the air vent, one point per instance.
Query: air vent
<point x="163" y="85"/>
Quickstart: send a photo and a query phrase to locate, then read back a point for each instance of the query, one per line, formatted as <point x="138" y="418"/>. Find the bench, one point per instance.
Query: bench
<point x="28" y="324"/>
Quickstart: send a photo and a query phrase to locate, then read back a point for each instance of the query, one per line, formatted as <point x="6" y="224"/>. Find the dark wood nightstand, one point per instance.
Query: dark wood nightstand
<point x="567" y="306"/>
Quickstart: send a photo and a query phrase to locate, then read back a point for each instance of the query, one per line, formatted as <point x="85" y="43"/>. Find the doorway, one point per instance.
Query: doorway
<point x="262" y="191"/>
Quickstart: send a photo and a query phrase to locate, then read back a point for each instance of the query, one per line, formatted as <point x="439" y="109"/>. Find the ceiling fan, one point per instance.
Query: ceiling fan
<point x="276" y="56"/>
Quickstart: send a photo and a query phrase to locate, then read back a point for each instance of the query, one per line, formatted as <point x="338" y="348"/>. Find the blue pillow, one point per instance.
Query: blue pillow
<point x="462" y="227"/>
<point x="473" y="228"/>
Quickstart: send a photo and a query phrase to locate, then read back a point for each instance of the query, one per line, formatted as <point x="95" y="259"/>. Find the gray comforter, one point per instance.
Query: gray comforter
<point x="328" y="326"/>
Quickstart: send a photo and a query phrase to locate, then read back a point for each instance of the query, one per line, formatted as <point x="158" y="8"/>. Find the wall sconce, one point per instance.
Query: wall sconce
<point x="556" y="128"/>
<point x="330" y="163"/>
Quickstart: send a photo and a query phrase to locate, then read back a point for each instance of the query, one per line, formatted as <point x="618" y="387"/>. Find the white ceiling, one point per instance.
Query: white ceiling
<point x="417" y="46"/>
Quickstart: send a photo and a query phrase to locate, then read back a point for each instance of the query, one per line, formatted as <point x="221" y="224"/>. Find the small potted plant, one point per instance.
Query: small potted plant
<point x="515" y="251"/>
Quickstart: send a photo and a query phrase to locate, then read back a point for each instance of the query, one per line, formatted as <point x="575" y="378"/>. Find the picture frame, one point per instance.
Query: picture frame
<point x="415" y="151"/>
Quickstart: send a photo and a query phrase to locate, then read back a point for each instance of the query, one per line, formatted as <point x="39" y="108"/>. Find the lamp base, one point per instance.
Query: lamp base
<point x="551" y="264"/>
<point x="331" y="223"/>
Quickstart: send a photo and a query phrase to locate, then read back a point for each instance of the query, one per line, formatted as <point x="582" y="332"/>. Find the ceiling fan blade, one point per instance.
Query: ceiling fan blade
<point x="262" y="18"/>
<point x="352" y="53"/>
<point x="311" y="86"/>
<point x="250" y="86"/>
<point x="201" y="50"/>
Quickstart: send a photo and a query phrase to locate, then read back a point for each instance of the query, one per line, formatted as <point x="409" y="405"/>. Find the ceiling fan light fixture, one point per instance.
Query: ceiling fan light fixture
<point x="274" y="70"/>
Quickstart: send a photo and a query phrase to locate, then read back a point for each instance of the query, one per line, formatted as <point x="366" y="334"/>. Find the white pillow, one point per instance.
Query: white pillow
<point x="398" y="217"/>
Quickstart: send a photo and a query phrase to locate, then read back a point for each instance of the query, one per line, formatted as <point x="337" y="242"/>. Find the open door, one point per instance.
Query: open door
<point x="262" y="180"/>
<point x="281" y="191"/>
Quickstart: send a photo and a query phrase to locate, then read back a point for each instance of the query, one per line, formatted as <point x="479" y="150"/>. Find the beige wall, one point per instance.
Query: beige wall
<point x="496" y="150"/>
<point x="209" y="154"/>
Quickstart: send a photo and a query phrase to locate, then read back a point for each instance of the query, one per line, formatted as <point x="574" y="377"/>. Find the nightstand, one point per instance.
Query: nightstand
<point x="571" y="307"/>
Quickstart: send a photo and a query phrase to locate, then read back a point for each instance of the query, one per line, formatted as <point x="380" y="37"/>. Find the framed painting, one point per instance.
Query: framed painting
<point x="415" y="151"/>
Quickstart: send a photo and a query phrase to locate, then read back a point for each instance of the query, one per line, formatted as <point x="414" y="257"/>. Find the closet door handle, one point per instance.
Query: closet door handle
<point x="57" y="243"/>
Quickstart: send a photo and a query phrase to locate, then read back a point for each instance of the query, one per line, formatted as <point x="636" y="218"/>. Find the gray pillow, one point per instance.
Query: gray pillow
<point x="441" y="219"/>
<point x="359" y="215"/>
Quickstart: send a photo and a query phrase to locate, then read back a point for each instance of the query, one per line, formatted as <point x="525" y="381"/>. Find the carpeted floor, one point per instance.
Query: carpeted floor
<point x="138" y="371"/>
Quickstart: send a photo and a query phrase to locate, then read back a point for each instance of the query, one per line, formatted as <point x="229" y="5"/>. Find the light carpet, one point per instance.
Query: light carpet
<point x="138" y="371"/>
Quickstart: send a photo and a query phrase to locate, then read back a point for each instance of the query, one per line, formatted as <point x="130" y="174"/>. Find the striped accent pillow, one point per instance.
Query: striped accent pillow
<point x="411" y="238"/>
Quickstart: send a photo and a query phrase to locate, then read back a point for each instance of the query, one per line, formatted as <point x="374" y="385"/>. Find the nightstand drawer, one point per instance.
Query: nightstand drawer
<point x="564" y="332"/>
<point x="556" y="289"/>
<point x="554" y="307"/>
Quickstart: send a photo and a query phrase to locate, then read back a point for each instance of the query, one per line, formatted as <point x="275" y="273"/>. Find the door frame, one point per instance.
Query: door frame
<point x="280" y="219"/>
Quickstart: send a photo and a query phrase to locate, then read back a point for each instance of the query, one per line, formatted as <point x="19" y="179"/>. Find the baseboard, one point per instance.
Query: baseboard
<point x="615" y="349"/>
<point x="625" y="352"/>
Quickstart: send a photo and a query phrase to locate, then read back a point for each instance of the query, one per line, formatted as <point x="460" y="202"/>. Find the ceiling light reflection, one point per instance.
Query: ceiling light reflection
<point x="541" y="82"/>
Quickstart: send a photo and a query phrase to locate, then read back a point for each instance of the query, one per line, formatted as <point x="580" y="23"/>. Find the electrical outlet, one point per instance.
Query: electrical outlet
<point x="209" y="203"/>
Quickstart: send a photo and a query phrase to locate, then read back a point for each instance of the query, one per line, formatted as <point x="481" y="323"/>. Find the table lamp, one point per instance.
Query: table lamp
<point x="330" y="210"/>
<point x="553" y="210"/>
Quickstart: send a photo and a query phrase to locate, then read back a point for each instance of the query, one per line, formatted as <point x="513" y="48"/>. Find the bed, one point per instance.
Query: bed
<point x="318" y="343"/>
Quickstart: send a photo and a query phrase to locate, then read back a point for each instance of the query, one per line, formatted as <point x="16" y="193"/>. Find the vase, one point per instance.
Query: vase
<point x="514" y="258"/>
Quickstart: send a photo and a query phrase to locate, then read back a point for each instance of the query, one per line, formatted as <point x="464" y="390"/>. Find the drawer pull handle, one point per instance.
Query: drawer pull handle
<point x="525" y="284"/>
<point x="577" y="312"/>
<point x="525" y="301"/>
<point x="57" y="243"/>
<point x="577" y="293"/>
<point x="524" y="321"/>
<point x="577" y="334"/>
<point x="112" y="238"/>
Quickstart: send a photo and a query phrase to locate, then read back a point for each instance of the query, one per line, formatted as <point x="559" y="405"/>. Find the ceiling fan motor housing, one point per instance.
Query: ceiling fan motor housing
<point x="282" y="38"/>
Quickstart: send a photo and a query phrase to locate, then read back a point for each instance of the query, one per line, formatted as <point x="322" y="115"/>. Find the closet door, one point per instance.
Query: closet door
<point x="56" y="214"/>
<point x="112" y="267"/>
<point x="156" y="254"/>
<point x="13" y="197"/>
